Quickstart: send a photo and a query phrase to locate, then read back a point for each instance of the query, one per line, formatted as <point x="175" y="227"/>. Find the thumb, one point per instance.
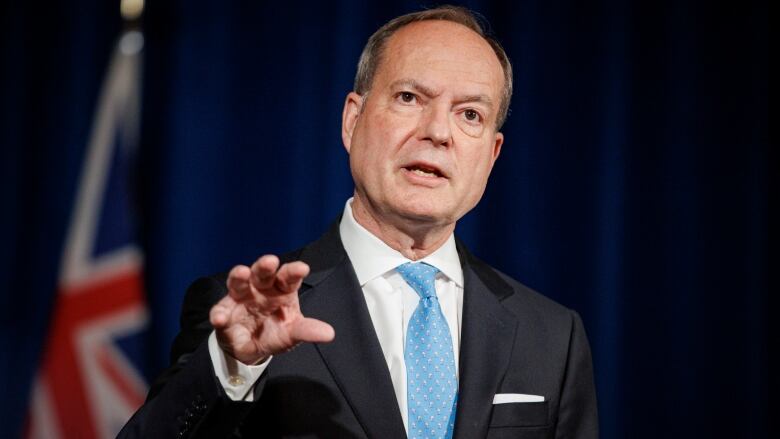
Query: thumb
<point x="219" y="315"/>
<point x="313" y="331"/>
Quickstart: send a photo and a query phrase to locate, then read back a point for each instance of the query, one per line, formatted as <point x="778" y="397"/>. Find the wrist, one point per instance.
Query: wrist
<point x="247" y="358"/>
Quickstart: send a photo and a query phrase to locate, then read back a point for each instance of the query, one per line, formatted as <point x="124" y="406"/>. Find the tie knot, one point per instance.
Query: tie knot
<point x="420" y="276"/>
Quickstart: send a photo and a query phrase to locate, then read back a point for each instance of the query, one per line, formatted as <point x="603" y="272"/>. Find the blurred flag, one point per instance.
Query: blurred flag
<point x="89" y="382"/>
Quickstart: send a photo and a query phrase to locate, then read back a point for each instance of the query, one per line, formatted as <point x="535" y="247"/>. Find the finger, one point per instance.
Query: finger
<point x="219" y="315"/>
<point x="312" y="331"/>
<point x="290" y="276"/>
<point x="264" y="272"/>
<point x="238" y="282"/>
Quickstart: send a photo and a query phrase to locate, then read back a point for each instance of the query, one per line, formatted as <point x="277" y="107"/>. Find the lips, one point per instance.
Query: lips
<point x="425" y="170"/>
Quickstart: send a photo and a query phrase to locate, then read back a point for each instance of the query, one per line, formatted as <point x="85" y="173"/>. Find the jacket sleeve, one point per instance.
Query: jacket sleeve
<point x="187" y="400"/>
<point x="578" y="413"/>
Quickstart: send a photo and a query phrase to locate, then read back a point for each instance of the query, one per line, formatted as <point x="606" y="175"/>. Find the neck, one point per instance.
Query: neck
<point x="413" y="239"/>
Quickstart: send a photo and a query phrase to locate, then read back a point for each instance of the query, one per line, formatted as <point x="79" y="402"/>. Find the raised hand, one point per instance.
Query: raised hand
<point x="260" y="316"/>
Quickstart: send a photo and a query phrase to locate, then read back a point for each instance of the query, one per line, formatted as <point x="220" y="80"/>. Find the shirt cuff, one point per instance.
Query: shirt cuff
<point x="237" y="378"/>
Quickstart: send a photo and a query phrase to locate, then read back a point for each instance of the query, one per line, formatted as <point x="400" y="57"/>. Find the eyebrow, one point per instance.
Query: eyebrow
<point x="480" y="98"/>
<point x="429" y="92"/>
<point x="411" y="83"/>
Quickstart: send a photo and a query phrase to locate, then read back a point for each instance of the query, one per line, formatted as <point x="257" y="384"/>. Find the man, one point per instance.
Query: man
<point x="387" y="326"/>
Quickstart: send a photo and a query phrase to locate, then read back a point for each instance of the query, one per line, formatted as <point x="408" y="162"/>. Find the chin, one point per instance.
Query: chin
<point x="425" y="213"/>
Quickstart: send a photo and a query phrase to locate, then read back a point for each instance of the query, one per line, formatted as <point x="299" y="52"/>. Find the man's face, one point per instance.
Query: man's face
<point x="422" y="142"/>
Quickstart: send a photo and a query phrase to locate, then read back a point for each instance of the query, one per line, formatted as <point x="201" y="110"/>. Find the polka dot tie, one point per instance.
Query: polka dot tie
<point x="432" y="388"/>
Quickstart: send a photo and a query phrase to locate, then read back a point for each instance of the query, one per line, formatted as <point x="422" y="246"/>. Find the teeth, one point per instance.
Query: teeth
<point x="423" y="173"/>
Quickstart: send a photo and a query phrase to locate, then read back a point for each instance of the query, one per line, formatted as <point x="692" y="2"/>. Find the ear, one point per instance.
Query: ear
<point x="499" y="140"/>
<point x="349" y="117"/>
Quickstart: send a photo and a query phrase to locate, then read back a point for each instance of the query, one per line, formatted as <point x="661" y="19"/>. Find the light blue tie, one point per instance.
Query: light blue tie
<point x="432" y="387"/>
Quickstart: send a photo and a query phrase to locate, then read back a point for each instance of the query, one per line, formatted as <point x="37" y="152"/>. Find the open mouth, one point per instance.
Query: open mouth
<point x="424" y="171"/>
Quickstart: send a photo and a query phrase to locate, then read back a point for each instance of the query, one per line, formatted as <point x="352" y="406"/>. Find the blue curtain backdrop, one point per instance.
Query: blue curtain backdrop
<point x="632" y="187"/>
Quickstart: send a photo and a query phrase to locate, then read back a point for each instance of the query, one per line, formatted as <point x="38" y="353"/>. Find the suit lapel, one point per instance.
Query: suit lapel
<point x="355" y="357"/>
<point x="331" y="293"/>
<point x="487" y="337"/>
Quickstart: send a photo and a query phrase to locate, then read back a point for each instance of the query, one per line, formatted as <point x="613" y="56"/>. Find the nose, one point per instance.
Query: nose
<point x="435" y="125"/>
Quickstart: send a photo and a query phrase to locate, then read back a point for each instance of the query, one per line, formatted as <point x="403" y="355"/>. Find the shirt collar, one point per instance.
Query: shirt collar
<point x="372" y="258"/>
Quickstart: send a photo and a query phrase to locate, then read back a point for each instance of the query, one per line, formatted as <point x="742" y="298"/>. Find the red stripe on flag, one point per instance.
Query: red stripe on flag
<point x="62" y="371"/>
<point x="108" y="364"/>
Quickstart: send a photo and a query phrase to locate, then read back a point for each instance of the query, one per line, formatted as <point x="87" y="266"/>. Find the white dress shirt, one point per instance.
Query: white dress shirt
<point x="391" y="302"/>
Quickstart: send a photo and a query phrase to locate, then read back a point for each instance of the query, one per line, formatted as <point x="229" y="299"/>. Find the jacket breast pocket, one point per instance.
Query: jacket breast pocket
<point x="520" y="420"/>
<point x="519" y="414"/>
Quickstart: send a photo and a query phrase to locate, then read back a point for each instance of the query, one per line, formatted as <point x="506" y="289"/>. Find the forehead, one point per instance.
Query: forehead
<point x="439" y="53"/>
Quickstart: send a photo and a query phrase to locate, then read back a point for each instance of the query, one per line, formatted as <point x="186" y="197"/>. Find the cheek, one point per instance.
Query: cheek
<point x="372" y="157"/>
<point x="478" y="166"/>
<point x="390" y="130"/>
<point x="386" y="137"/>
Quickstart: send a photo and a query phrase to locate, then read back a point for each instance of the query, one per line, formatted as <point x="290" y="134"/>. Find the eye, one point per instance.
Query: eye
<point x="407" y="97"/>
<point x="472" y="115"/>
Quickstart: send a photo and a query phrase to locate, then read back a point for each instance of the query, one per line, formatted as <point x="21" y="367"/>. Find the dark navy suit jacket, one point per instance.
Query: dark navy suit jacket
<point x="513" y="340"/>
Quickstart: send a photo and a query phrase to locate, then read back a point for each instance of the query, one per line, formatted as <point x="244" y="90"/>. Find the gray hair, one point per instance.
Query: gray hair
<point x="372" y="52"/>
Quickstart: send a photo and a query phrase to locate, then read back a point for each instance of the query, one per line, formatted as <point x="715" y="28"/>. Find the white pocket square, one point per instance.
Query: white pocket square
<point x="505" y="398"/>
